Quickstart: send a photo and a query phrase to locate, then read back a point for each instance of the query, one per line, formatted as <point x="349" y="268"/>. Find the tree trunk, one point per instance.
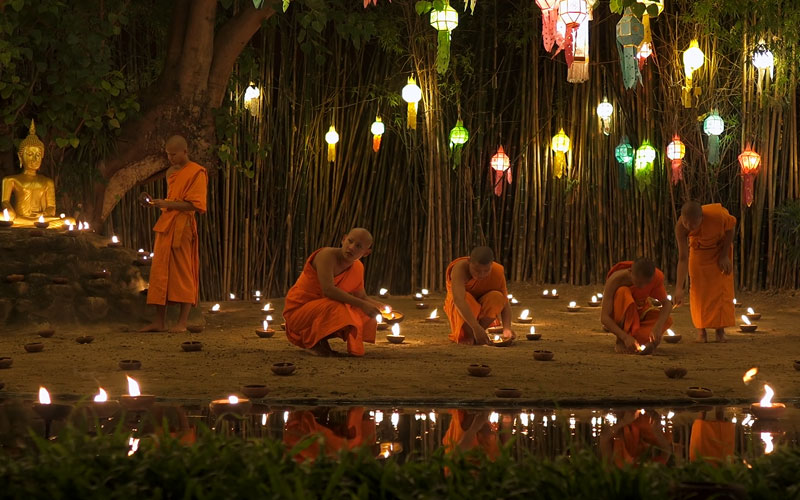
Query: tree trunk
<point x="192" y="84"/>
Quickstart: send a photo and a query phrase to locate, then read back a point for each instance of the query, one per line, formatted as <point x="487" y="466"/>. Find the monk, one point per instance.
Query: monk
<point x="328" y="300"/>
<point x="358" y="430"/>
<point x="175" y="268"/>
<point x="476" y="295"/>
<point x="636" y="438"/>
<point x="705" y="251"/>
<point x="712" y="440"/>
<point x="627" y="310"/>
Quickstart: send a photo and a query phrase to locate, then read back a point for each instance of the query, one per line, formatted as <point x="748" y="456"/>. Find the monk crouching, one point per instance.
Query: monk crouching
<point x="627" y="310"/>
<point x="328" y="300"/>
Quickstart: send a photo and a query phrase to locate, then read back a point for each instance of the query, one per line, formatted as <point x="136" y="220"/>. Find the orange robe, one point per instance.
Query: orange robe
<point x="635" y="441"/>
<point x="710" y="291"/>
<point x="302" y="424"/>
<point x="311" y="317"/>
<point x="485" y="439"/>
<point x="712" y="441"/>
<point x="175" y="268"/>
<point x="486" y="298"/>
<point x="633" y="310"/>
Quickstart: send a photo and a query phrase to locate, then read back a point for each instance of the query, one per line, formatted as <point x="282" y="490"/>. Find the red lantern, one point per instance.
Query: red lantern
<point x="572" y="13"/>
<point x="675" y="152"/>
<point x="501" y="164"/>
<point x="549" y="21"/>
<point x="749" y="161"/>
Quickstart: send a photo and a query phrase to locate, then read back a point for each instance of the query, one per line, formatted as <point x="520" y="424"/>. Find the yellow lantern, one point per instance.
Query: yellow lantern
<point x="331" y="138"/>
<point x="412" y="95"/>
<point x="377" y="130"/>
<point x="693" y="59"/>
<point x="251" y="96"/>
<point x="560" y="145"/>
<point x="604" y="110"/>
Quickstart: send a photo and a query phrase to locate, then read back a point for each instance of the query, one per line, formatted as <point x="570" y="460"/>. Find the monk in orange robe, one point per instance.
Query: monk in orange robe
<point x="627" y="310"/>
<point x="471" y="430"/>
<point x="712" y="440"/>
<point x="328" y="300"/>
<point x="705" y="252"/>
<point x="476" y="296"/>
<point x="358" y="431"/>
<point x="175" y="268"/>
<point x="634" y="439"/>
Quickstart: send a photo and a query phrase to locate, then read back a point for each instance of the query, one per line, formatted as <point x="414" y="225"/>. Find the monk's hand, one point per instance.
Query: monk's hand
<point x="370" y="309"/>
<point x="725" y="265"/>
<point x="677" y="300"/>
<point x="630" y="344"/>
<point x="481" y="337"/>
<point x="507" y="333"/>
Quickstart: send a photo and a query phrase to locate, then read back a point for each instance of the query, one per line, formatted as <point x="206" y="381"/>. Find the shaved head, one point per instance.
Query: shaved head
<point x="363" y="234"/>
<point x="177" y="151"/>
<point x="643" y="268"/>
<point x="481" y="255"/>
<point x="692" y="210"/>
<point x="177" y="142"/>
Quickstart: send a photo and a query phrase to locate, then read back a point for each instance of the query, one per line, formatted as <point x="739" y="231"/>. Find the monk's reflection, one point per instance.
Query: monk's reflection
<point x="636" y="438"/>
<point x="335" y="431"/>
<point x="713" y="438"/>
<point x="476" y="430"/>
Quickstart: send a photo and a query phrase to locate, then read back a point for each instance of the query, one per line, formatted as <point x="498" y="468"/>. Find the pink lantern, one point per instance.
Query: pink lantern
<point x="749" y="161"/>
<point x="676" y="150"/>
<point x="501" y="164"/>
<point x="572" y="13"/>
<point x="549" y="20"/>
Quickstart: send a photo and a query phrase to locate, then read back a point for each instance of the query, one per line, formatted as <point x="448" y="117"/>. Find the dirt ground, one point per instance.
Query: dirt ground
<point x="428" y="367"/>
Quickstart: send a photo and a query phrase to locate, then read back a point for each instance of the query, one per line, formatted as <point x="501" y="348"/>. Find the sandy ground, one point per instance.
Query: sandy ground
<point x="427" y="367"/>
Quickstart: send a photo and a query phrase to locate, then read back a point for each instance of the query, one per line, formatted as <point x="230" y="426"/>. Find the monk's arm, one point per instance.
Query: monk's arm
<point x="458" y="287"/>
<point x="663" y="316"/>
<point x="183" y="206"/>
<point x="505" y="316"/>
<point x="324" y="263"/>
<point x="362" y="294"/>
<point x="725" y="252"/>
<point x="607" y="309"/>
<point x="682" y="238"/>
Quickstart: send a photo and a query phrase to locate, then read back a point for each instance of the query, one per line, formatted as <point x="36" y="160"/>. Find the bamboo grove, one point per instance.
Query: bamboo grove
<point x="274" y="198"/>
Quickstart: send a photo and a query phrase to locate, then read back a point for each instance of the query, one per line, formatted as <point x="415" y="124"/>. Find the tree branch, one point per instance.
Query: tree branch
<point x="229" y="42"/>
<point x="177" y="33"/>
<point x="198" y="47"/>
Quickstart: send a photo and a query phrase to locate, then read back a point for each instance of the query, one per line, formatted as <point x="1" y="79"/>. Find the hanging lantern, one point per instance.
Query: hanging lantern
<point x="749" y="161"/>
<point x="676" y="150"/>
<point x="459" y="135"/>
<point x="624" y="154"/>
<point x="572" y="13"/>
<point x="412" y="94"/>
<point x="377" y="130"/>
<point x="579" y="71"/>
<point x="763" y="60"/>
<point x="652" y="9"/>
<point x="444" y="21"/>
<point x="645" y="156"/>
<point x="693" y="59"/>
<point x="630" y="33"/>
<point x="251" y="95"/>
<point x="549" y="20"/>
<point x="713" y="126"/>
<point x="501" y="164"/>
<point x="604" y="110"/>
<point x="331" y="138"/>
<point x="560" y="145"/>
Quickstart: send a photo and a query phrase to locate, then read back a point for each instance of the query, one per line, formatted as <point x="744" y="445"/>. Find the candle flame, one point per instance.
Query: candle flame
<point x="395" y="419"/>
<point x="41" y="218"/>
<point x="231" y="296"/>
<point x="396" y="329"/>
<point x="215" y="307"/>
<point x="497" y="338"/>
<point x="268" y="306"/>
<point x="379" y="318"/>
<point x="546" y="292"/>
<point x="642" y="347"/>
<point x="525" y="313"/>
<point x="233" y="400"/>
<point x="383" y="291"/>
<point x="746" y="320"/>
<point x="533" y="329"/>
<point x="152" y="254"/>
<point x="510" y="296"/>
<point x="258" y="293"/>
<point x="101" y="396"/>
<point x="750" y="375"/>
<point x="750" y="310"/>
<point x="573" y="304"/>
<point x="266" y="325"/>
<point x="269" y="317"/>
<point x="494" y="417"/>
<point x="387" y="309"/>
<point x="134" y="445"/>
<point x="425" y="291"/>
<point x="114" y="240"/>
<point x="554" y="291"/>
<point x="669" y="298"/>
<point x="70" y="227"/>
<point x="514" y="301"/>
<point x="434" y="314"/>
<point x="766" y="437"/>
<point x="133" y="387"/>
<point x="5" y="214"/>
<point x="670" y="332"/>
<point x="86" y="226"/>
<point x="141" y="250"/>
<point x="44" y="396"/>
<point x="418" y="295"/>
<point x="599" y="295"/>
<point x="734" y="301"/>
<point x="766" y="401"/>
<point x="594" y="298"/>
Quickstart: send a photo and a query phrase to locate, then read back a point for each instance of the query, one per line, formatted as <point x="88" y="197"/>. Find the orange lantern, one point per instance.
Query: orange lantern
<point x="749" y="161"/>
<point x="501" y="164"/>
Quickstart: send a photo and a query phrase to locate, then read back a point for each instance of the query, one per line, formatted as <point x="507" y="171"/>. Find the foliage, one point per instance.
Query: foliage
<point x="787" y="226"/>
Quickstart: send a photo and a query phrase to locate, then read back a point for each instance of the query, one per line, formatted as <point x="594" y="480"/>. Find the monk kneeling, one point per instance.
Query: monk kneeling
<point x="627" y="311"/>
<point x="476" y="295"/>
<point x="328" y="299"/>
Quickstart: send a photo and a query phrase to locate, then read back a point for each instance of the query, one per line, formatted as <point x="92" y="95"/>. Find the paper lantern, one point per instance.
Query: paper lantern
<point x="572" y="13"/>
<point x="251" y="95"/>
<point x="604" y="110"/>
<point x="412" y="95"/>
<point x="713" y="126"/>
<point x="624" y="154"/>
<point x="377" y="130"/>
<point x="578" y="72"/>
<point x="459" y="135"/>
<point x="501" y="165"/>
<point x="749" y="161"/>
<point x="676" y="150"/>
<point x="652" y="9"/>
<point x="630" y="33"/>
<point x="549" y="20"/>
<point x="764" y="61"/>
<point x="560" y="145"/>
<point x="693" y="59"/>
<point x="444" y="21"/>
<point x="332" y="138"/>
<point x="643" y="171"/>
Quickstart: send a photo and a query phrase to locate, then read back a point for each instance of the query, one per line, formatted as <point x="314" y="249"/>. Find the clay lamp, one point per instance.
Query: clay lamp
<point x="752" y="315"/>
<point x="542" y="355"/>
<point x="84" y="339"/>
<point x="477" y="370"/>
<point x="747" y="326"/>
<point x="283" y="327"/>
<point x="104" y="274"/>
<point x="265" y="331"/>
<point x="142" y="260"/>
<point x="46" y="333"/>
<point x="231" y="405"/>
<point x="71" y="231"/>
<point x="418" y="297"/>
<point x="130" y="364"/>
<point x="268" y="307"/>
<point x="214" y="309"/>
<point x="102" y="407"/>
<point x="49" y="411"/>
<point x="573" y="307"/>
<point x="34" y="347"/>
<point x="736" y="303"/>
<point x="699" y="392"/>
<point x="283" y="368"/>
<point x="6" y="220"/>
<point x="195" y="328"/>
<point x="255" y="391"/>
<point x="550" y="294"/>
<point x="434" y="317"/>
<point x="135" y="400"/>
<point x="498" y="341"/>
<point x="114" y="243"/>
<point x="507" y="392"/>
<point x="766" y="409"/>
<point x="532" y="335"/>
<point x="513" y="301"/>
<point x="192" y="346"/>
<point x="383" y="293"/>
<point x="59" y="280"/>
<point x="391" y="316"/>
<point x="231" y="297"/>
<point x="5" y="362"/>
<point x="395" y="337"/>
<point x="257" y="296"/>
<point x="41" y="223"/>
<point x="494" y="330"/>
<point x="594" y="302"/>
<point x="646" y="349"/>
<point x="425" y="292"/>
<point x="672" y="337"/>
<point x="525" y="317"/>
<point x="675" y="372"/>
<point x="421" y="305"/>
<point x="381" y="325"/>
<point x="15" y="278"/>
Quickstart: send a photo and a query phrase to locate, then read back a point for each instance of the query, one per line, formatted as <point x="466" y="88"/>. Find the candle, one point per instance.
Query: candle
<point x="670" y="332"/>
<point x="135" y="400"/>
<point x="382" y="292"/>
<point x="750" y="310"/>
<point x="510" y="296"/>
<point x="269" y="317"/>
<point x="231" y="296"/>
<point x="40" y="223"/>
<point x="141" y="250"/>
<point x="387" y="310"/>
<point x="746" y="320"/>
<point x="6" y="220"/>
<point x="258" y="293"/>
<point x="525" y="313"/>
<point x="669" y="298"/>
<point x="48" y="411"/>
<point x="379" y="318"/>
<point x="267" y="307"/>
<point x="573" y="304"/>
<point x="265" y="324"/>
<point x="102" y="407"/>
<point x="533" y="330"/>
<point x="554" y="292"/>
<point x="599" y="295"/>
<point x="232" y="404"/>
<point x="395" y="337"/>
<point x="5" y="215"/>
<point x="594" y="298"/>
<point x="396" y="330"/>
<point x="214" y="309"/>
<point x="514" y="301"/>
<point x="434" y="314"/>
<point x="750" y="375"/>
<point x="425" y="292"/>
<point x="766" y="409"/>
<point x="546" y="292"/>
<point x="114" y="239"/>
<point x="497" y="338"/>
<point x="418" y="296"/>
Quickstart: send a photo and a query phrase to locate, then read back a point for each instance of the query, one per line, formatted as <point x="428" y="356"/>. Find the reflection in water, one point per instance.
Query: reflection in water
<point x="636" y="437"/>
<point x="712" y="440"/>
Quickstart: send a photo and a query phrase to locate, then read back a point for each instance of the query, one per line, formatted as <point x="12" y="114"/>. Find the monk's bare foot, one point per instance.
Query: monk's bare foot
<point x="154" y="327"/>
<point x="323" y="349"/>
<point x="178" y="329"/>
<point x="702" y="337"/>
<point x="721" y="335"/>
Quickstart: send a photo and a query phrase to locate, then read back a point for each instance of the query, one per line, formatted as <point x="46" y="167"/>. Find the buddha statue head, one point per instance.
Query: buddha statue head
<point x="31" y="152"/>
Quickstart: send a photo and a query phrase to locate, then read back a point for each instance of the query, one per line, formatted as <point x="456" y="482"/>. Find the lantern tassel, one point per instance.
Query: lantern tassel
<point x="456" y="155"/>
<point x="625" y="175"/>
<point x="443" y="52"/>
<point x="677" y="171"/>
<point x="569" y="52"/>
<point x="549" y="22"/>
<point x="747" y="188"/>
<point x="412" y="115"/>
<point x="498" y="182"/>
<point x="559" y="165"/>
<point x="331" y="152"/>
<point x="713" y="149"/>
<point x="376" y="143"/>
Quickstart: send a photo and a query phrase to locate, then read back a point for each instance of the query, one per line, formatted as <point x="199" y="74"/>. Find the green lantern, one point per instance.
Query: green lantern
<point x="713" y="126"/>
<point x="624" y="154"/>
<point x="459" y="135"/>
<point x="645" y="156"/>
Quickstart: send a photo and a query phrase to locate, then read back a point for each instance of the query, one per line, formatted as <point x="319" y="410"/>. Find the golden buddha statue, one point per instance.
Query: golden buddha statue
<point x="34" y="194"/>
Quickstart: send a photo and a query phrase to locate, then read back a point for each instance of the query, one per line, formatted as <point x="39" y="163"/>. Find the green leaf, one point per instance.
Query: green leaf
<point x="616" y="6"/>
<point x="423" y="7"/>
<point x="61" y="142"/>
<point x="74" y="142"/>
<point x="638" y="9"/>
<point x="258" y="3"/>
<point x="17" y="5"/>
<point x="113" y="123"/>
<point x="652" y="10"/>
<point x="285" y="5"/>
<point x="438" y="5"/>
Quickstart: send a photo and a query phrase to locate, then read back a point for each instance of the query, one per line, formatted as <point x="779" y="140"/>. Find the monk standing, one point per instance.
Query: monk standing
<point x="328" y="299"/>
<point x="705" y="252"/>
<point x="627" y="310"/>
<point x="175" y="268"/>
<point x="476" y="295"/>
